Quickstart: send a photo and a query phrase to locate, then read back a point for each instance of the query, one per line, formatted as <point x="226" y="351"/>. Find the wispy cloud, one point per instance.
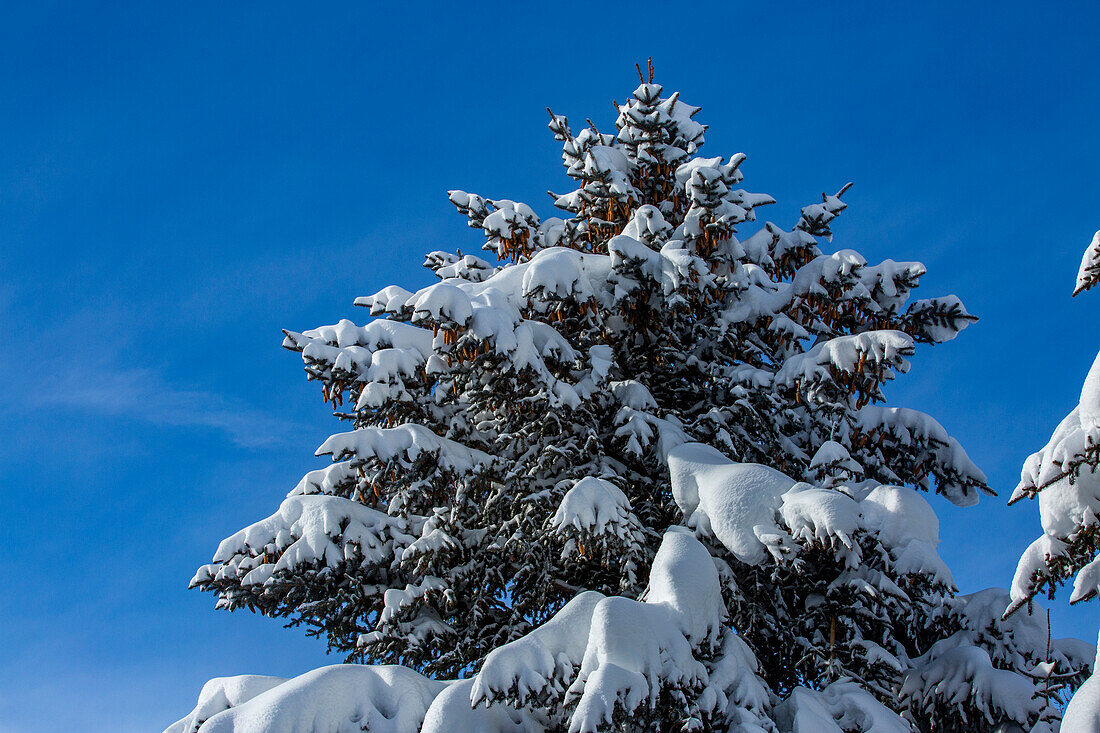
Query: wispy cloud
<point x="145" y="395"/>
<point x="93" y="377"/>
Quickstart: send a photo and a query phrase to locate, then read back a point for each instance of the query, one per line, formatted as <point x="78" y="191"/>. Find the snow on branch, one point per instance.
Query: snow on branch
<point x="404" y="444"/>
<point x="734" y="502"/>
<point x="912" y="442"/>
<point x="1089" y="274"/>
<point x="815" y="218"/>
<point x="936" y="320"/>
<point x="1065" y="477"/>
<point x="595" y="507"/>
<point x="316" y="531"/>
<point x="839" y="704"/>
<point x="461" y="267"/>
<point x="967" y="674"/>
<point x="630" y="653"/>
<point x="860" y="361"/>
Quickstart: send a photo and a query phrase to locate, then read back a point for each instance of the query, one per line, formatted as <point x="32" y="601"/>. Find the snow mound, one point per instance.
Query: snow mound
<point x="526" y="669"/>
<point x="736" y="502"/>
<point x="342" y="698"/>
<point x="841" y="707"/>
<point x="628" y="651"/>
<point x="754" y="510"/>
<point x="907" y="524"/>
<point x="1083" y="712"/>
<point x="221" y="694"/>
<point x="637" y="650"/>
<point x="820" y="515"/>
<point x="451" y="712"/>
<point x="833" y="463"/>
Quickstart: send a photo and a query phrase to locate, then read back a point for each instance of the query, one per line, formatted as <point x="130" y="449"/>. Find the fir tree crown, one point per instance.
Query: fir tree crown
<point x="636" y="465"/>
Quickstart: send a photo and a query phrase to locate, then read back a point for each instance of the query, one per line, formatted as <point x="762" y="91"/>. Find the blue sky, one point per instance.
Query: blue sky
<point x="178" y="183"/>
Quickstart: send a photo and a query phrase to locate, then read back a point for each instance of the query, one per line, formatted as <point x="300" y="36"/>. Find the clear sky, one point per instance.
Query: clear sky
<point x="177" y="183"/>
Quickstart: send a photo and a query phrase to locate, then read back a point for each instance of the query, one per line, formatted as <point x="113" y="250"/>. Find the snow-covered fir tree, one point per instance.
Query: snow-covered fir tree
<point x="1065" y="478"/>
<point x="634" y="472"/>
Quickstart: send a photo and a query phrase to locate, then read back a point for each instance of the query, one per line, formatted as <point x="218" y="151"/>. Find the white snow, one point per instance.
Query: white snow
<point x="934" y="330"/>
<point x="838" y="708"/>
<point x="308" y="530"/>
<point x="684" y="579"/>
<point x="326" y="480"/>
<point x="1086" y="584"/>
<point x="821" y="515"/>
<point x="736" y="502"/>
<point x="1089" y="274"/>
<point x="221" y="694"/>
<point x="633" y="394"/>
<point x="734" y="690"/>
<point x="905" y="522"/>
<point x="910" y="428"/>
<point x="1065" y="475"/>
<point x="523" y="669"/>
<point x="636" y="649"/>
<point x="965" y="673"/>
<point x="890" y="282"/>
<point x="404" y="443"/>
<point x="850" y="354"/>
<point x="832" y="464"/>
<point x="815" y="277"/>
<point x="648" y="226"/>
<point x="451" y="712"/>
<point x="342" y="698"/>
<point x="750" y="509"/>
<point x="1082" y="714"/>
<point x="592" y="505"/>
<point x="628" y="650"/>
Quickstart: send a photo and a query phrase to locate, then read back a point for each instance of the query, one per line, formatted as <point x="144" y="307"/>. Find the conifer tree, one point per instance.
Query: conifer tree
<point x="1065" y="478"/>
<point x="635" y="472"/>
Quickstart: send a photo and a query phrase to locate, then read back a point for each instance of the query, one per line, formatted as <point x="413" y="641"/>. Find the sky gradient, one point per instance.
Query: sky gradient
<point x="179" y="183"/>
